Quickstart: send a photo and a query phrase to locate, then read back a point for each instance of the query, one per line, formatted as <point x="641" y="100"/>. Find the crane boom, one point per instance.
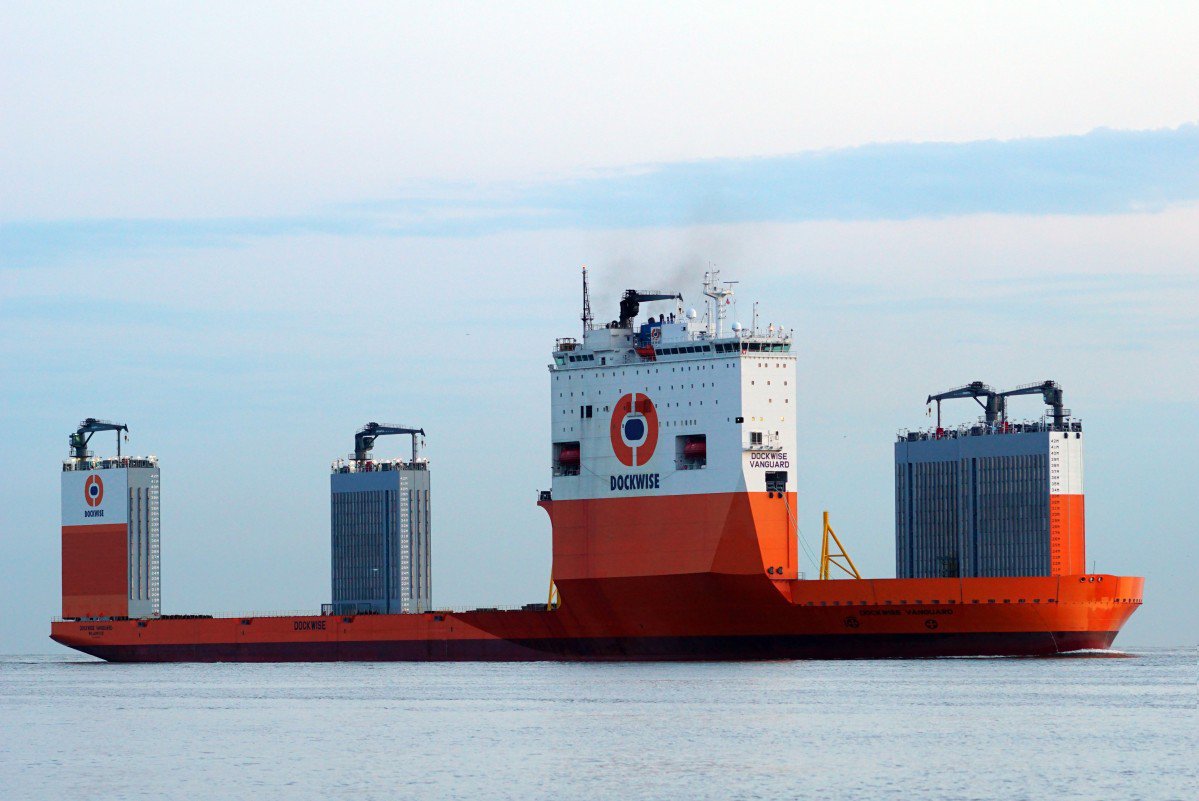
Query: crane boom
<point x="79" y="440"/>
<point x="975" y="390"/>
<point x="364" y="440"/>
<point x="630" y="303"/>
<point x="1049" y="391"/>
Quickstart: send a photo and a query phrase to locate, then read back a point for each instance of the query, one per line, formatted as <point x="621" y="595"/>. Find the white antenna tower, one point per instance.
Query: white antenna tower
<point x="719" y="293"/>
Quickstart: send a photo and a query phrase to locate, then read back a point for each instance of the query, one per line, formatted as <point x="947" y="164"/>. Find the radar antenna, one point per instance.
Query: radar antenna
<point x="719" y="293"/>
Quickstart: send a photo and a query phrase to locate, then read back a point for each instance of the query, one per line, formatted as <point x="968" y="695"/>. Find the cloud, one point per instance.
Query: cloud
<point x="1102" y="172"/>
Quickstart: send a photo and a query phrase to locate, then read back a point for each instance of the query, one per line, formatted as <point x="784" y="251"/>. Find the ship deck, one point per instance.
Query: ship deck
<point x="869" y="618"/>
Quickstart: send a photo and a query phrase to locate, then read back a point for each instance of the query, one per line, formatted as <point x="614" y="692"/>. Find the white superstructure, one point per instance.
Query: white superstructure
<point x="673" y="406"/>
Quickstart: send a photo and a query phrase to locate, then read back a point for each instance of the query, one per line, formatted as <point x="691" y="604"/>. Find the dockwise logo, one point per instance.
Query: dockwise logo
<point x="93" y="490"/>
<point x="634" y="429"/>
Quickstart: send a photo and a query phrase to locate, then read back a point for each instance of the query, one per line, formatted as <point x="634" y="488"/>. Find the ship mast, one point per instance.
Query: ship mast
<point x="719" y="293"/>
<point x="587" y="320"/>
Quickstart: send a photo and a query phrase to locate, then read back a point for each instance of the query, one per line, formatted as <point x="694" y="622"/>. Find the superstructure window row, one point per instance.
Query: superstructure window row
<point x="754" y="347"/>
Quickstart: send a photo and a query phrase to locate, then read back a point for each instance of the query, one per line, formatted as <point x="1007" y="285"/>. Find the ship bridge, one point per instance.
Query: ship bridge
<point x="667" y="336"/>
<point x="672" y="443"/>
<point x="619" y="347"/>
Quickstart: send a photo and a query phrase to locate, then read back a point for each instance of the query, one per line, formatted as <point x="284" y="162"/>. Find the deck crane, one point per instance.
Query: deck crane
<point x="976" y="390"/>
<point x="630" y="303"/>
<point x="87" y="428"/>
<point x="1049" y="391"/>
<point x="364" y="440"/>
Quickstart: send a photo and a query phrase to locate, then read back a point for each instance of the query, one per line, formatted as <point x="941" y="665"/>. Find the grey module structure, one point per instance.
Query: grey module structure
<point x="380" y="538"/>
<point x="975" y="502"/>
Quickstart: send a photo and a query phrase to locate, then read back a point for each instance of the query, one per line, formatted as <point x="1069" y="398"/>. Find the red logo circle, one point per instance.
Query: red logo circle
<point x="634" y="429"/>
<point x="93" y="490"/>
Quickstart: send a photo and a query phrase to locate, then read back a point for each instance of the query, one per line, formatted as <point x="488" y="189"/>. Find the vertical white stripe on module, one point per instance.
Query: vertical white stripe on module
<point x="1065" y="463"/>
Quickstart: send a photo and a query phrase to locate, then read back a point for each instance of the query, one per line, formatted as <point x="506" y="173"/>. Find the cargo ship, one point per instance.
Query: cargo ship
<point x="673" y="516"/>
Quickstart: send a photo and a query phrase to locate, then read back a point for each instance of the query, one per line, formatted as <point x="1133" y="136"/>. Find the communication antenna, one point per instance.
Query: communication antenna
<point x="719" y="293"/>
<point x="587" y="321"/>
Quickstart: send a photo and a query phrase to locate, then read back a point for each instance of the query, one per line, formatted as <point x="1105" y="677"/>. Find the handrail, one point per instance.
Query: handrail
<point x="1074" y="424"/>
<point x="264" y="615"/>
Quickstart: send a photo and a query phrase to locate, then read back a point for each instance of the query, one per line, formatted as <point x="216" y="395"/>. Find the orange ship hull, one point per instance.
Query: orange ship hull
<point x="743" y="618"/>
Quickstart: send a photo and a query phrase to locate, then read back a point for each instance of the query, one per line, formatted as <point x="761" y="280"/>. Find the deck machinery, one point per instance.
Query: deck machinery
<point x="991" y="498"/>
<point x="673" y="517"/>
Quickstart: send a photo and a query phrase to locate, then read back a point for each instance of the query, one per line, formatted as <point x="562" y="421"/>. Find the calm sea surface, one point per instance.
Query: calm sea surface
<point x="1087" y="727"/>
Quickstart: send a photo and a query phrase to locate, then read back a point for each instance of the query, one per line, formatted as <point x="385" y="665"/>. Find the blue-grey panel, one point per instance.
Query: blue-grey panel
<point x="380" y="525"/>
<point x="972" y="506"/>
<point x="952" y="449"/>
<point x="365" y="482"/>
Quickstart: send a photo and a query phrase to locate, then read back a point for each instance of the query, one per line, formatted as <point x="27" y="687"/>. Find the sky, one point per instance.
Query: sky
<point x="247" y="230"/>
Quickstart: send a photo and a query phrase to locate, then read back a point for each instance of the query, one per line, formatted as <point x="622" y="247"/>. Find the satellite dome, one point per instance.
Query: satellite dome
<point x="737" y="327"/>
<point x="692" y="314"/>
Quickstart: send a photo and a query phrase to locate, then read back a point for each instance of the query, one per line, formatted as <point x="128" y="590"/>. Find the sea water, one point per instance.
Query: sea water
<point x="1090" y="726"/>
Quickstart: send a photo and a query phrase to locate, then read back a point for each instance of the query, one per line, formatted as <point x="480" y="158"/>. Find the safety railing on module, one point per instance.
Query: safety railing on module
<point x="980" y="429"/>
